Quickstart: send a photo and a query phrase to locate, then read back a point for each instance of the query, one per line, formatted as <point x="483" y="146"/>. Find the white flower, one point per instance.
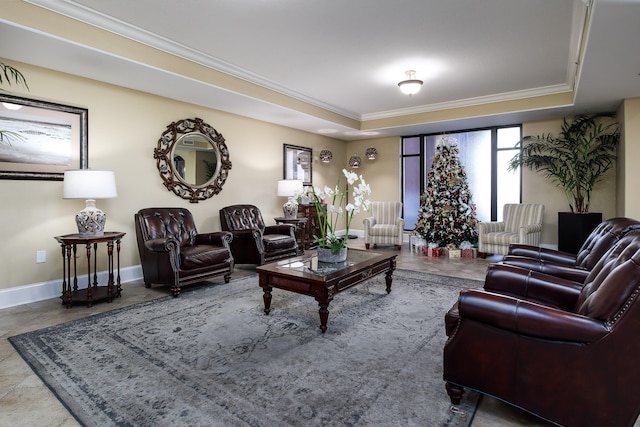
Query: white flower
<point x="334" y="199"/>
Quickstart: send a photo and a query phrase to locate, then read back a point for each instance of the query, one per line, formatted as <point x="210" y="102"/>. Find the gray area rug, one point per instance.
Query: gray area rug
<point x="212" y="357"/>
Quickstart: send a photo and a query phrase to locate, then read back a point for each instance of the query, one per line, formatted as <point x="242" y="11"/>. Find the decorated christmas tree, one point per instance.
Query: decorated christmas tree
<point x="447" y="214"/>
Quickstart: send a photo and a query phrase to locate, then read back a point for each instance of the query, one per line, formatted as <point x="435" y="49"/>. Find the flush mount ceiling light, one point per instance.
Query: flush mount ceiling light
<point x="411" y="85"/>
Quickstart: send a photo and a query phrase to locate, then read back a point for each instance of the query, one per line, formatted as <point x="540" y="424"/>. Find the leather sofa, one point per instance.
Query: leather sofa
<point x="572" y="266"/>
<point x="173" y="253"/>
<point x="560" y="349"/>
<point x="253" y="241"/>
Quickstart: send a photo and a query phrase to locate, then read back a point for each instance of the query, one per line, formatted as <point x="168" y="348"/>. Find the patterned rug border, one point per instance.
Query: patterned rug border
<point x="449" y="281"/>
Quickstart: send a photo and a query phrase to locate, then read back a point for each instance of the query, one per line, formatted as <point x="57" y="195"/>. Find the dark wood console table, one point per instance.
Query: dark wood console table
<point x="92" y="293"/>
<point x="312" y="226"/>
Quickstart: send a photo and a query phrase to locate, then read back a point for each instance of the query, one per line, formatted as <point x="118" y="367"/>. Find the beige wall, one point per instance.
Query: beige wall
<point x="124" y="127"/>
<point x="628" y="203"/>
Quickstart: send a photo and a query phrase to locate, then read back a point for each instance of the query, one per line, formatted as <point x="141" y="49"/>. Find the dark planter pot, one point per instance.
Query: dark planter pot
<point x="574" y="228"/>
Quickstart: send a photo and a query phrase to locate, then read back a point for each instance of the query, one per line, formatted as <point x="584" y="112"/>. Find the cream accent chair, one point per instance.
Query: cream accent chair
<point x="521" y="223"/>
<point x="385" y="225"/>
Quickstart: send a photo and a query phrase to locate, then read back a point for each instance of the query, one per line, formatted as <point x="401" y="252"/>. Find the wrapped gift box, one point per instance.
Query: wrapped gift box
<point x="454" y="253"/>
<point x="432" y="252"/>
<point x="417" y="243"/>
<point x="469" y="253"/>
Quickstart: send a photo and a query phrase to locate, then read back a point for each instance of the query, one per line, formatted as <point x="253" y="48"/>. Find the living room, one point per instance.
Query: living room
<point x="125" y="125"/>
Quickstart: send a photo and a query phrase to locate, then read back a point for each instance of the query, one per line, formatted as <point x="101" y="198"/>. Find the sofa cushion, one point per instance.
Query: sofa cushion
<point x="192" y="257"/>
<point x="384" y="230"/>
<point x="275" y="242"/>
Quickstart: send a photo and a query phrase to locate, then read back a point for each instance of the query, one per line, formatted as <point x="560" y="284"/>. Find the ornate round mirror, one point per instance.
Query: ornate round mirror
<point x="192" y="159"/>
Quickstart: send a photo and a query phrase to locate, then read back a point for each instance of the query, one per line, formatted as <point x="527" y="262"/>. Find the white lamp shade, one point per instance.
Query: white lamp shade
<point x="89" y="184"/>
<point x="289" y="187"/>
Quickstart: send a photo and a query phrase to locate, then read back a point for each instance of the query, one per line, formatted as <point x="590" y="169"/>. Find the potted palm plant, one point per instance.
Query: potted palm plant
<point x="8" y="73"/>
<point x="576" y="161"/>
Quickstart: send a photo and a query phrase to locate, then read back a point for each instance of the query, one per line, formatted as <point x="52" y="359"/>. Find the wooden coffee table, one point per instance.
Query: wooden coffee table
<point x="305" y="275"/>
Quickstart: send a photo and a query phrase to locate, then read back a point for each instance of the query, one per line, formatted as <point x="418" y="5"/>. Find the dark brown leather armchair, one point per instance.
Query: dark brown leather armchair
<point x="253" y="241"/>
<point x="173" y="253"/>
<point x="572" y="266"/>
<point x="559" y="349"/>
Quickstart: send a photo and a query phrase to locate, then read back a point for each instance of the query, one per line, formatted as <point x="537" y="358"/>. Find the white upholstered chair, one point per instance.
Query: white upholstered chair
<point x="521" y="223"/>
<point x="385" y="225"/>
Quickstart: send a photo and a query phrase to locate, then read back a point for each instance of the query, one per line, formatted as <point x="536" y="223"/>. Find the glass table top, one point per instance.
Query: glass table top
<point x="311" y="265"/>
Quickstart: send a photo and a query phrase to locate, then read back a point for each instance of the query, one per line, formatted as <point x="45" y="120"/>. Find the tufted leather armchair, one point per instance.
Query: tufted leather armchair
<point x="173" y="253"/>
<point x="559" y="349"/>
<point x="572" y="266"/>
<point x="253" y="241"/>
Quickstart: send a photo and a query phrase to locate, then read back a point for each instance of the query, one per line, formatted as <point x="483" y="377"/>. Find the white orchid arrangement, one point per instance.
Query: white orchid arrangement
<point x="335" y="198"/>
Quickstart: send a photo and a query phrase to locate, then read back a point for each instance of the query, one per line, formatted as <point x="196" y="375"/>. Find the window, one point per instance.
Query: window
<point x="484" y="153"/>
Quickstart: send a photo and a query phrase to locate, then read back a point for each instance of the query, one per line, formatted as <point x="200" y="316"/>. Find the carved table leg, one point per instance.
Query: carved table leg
<point x="388" y="278"/>
<point x="455" y="392"/>
<point x="267" y="298"/>
<point x="324" y="316"/>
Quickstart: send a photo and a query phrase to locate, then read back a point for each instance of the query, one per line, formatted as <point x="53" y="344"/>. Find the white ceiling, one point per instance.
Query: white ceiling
<point x="346" y="57"/>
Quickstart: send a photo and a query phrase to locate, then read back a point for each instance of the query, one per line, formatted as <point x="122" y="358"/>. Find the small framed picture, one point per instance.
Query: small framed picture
<point x="40" y="140"/>
<point x="297" y="163"/>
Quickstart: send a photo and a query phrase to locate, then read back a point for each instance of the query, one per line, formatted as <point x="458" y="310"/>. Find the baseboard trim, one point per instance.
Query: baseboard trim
<point x="34" y="292"/>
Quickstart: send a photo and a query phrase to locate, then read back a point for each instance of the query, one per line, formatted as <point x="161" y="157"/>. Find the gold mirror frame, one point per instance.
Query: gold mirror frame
<point x="165" y="150"/>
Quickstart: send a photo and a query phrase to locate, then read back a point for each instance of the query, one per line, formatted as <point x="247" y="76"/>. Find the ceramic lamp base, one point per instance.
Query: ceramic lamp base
<point x="290" y="210"/>
<point x="91" y="220"/>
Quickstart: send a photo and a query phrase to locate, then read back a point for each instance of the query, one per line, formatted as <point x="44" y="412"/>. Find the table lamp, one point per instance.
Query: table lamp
<point x="289" y="188"/>
<point x="90" y="184"/>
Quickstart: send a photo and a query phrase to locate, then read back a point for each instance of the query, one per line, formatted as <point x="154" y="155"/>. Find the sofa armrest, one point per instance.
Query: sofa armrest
<point x="546" y="254"/>
<point x="369" y="222"/>
<point x="529" y="229"/>
<point x="286" y="229"/>
<point x="577" y="274"/>
<point x="219" y="238"/>
<point x="527" y="318"/>
<point x="490" y="227"/>
<point x="532" y="286"/>
<point x="162" y="245"/>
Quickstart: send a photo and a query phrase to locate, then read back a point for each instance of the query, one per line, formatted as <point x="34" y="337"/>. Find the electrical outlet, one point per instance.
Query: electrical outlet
<point x="41" y="256"/>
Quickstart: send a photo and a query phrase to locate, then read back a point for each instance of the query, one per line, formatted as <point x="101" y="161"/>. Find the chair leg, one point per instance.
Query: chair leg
<point x="454" y="392"/>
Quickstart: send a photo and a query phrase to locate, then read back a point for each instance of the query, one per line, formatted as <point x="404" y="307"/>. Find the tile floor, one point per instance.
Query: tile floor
<point x="26" y="401"/>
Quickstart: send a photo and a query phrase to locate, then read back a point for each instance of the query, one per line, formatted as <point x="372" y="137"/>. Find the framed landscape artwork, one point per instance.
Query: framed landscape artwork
<point x="40" y="140"/>
<point x="297" y="163"/>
